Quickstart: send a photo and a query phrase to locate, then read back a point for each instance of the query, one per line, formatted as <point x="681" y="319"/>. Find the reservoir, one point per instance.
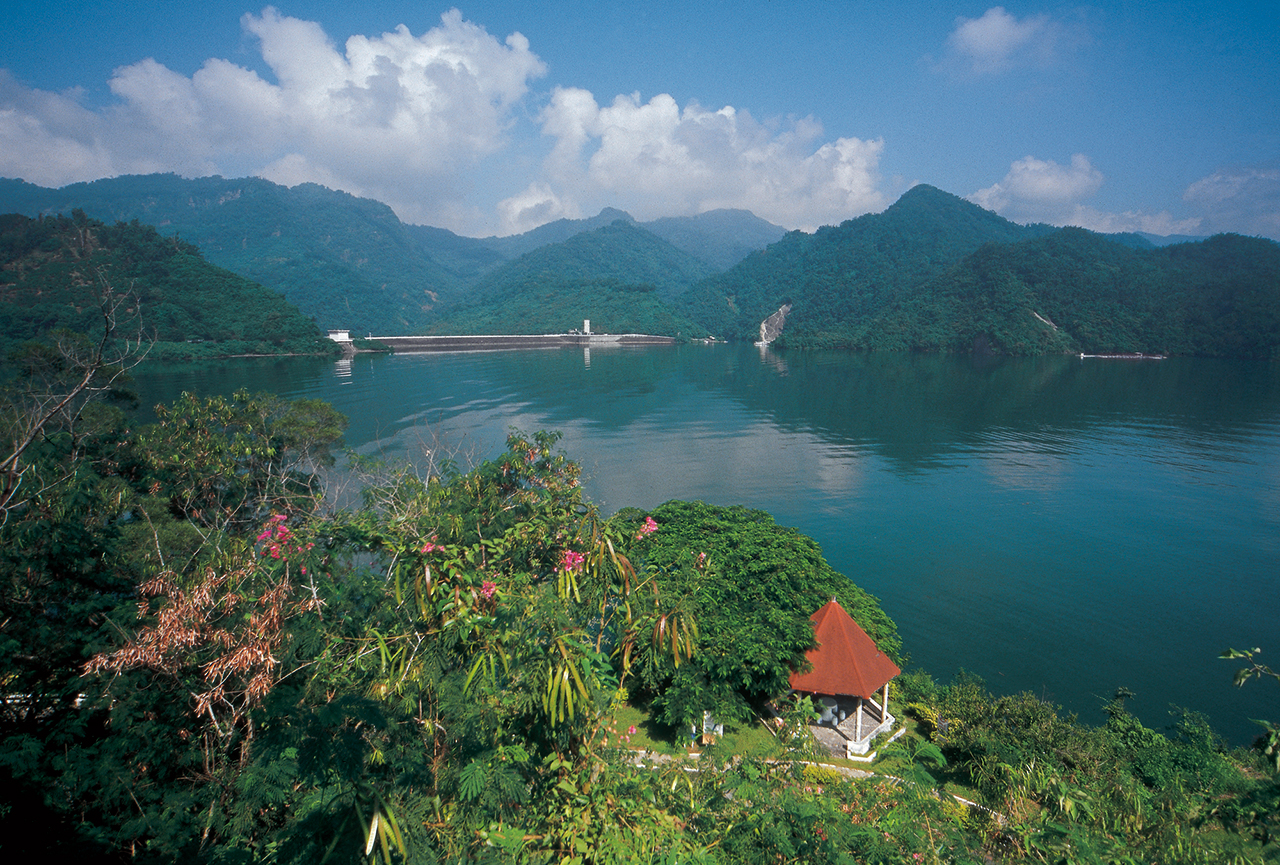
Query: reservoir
<point x="1057" y="525"/>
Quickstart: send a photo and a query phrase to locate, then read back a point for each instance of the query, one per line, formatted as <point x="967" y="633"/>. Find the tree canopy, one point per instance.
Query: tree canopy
<point x="55" y="273"/>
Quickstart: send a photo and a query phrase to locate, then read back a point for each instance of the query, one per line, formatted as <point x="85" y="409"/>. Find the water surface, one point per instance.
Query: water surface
<point x="1052" y="524"/>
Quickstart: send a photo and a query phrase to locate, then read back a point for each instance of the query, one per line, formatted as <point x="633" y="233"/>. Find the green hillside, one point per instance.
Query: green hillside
<point x="344" y="260"/>
<point x="619" y="276"/>
<point x="841" y="276"/>
<point x="933" y="272"/>
<point x="54" y="271"/>
<point x="556" y="231"/>
<point x="1078" y="291"/>
<point x="349" y="261"/>
<point x="560" y="305"/>
<point x="621" y="251"/>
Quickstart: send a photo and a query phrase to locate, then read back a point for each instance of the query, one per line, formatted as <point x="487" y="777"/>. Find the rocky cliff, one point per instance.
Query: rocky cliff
<point x="771" y="327"/>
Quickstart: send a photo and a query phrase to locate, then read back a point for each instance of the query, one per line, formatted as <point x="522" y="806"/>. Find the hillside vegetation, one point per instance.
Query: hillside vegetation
<point x="937" y="273"/>
<point x="349" y="261"/>
<point x="55" y="274"/>
<point x="838" y="277"/>
<point x="346" y="261"/>
<point x="1075" y="291"/>
<point x="933" y="272"/>
<point x="205" y="660"/>
<point x="618" y="276"/>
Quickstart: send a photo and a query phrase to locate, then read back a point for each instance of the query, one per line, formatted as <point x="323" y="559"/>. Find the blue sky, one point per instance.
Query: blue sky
<point x="492" y="117"/>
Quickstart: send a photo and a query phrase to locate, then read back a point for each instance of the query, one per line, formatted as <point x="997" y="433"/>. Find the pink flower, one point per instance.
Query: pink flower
<point x="571" y="560"/>
<point x="631" y="731"/>
<point x="648" y="528"/>
<point x="487" y="589"/>
<point x="428" y="547"/>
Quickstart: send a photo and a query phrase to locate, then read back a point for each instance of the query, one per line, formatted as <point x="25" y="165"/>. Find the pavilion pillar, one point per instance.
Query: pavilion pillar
<point x="885" y="704"/>
<point x="857" y="723"/>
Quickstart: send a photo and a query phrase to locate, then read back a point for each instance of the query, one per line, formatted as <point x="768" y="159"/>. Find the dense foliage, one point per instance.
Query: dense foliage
<point x="1060" y="791"/>
<point x="621" y="252"/>
<point x="555" y="305"/>
<point x="346" y="261"/>
<point x="839" y="277"/>
<point x="751" y="585"/>
<point x="936" y="273"/>
<point x="204" y="659"/>
<point x="57" y="272"/>
<point x="1075" y="291"/>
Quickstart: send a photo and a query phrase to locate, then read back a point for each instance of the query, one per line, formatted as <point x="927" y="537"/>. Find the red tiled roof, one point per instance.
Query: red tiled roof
<point x="846" y="661"/>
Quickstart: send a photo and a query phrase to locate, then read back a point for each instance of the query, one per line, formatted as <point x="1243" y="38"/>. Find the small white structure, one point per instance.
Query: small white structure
<point x="586" y="325"/>
<point x="343" y="335"/>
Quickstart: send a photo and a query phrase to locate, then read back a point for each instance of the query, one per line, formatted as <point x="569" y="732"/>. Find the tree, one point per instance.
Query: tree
<point x="54" y="382"/>
<point x="1252" y="670"/>
<point x="752" y="586"/>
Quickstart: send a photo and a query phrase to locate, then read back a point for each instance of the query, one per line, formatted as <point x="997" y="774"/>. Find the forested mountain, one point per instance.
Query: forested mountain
<point x="933" y="272"/>
<point x="622" y="250"/>
<point x="556" y="231"/>
<point x="559" y="305"/>
<point x="838" y="277"/>
<point x="55" y="273"/>
<point x="936" y="273"/>
<point x="721" y="238"/>
<point x="1078" y="291"/>
<point x="349" y="261"/>
<point x="346" y="261"/>
<point x="620" y="277"/>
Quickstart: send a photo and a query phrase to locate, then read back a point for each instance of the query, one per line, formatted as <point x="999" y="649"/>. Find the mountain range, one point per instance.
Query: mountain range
<point x="933" y="272"/>
<point x="349" y="261"/>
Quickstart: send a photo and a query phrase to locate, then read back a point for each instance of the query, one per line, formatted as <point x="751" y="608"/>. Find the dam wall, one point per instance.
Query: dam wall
<point x="515" y="342"/>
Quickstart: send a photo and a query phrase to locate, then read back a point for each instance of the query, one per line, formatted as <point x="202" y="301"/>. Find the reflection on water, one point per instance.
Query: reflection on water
<point x="1053" y="524"/>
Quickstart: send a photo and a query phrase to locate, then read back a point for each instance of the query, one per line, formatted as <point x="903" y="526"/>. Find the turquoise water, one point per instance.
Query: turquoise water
<point x="1054" y="525"/>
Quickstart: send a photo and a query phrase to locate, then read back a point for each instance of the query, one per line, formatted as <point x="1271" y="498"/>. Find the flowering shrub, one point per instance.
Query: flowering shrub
<point x="275" y="540"/>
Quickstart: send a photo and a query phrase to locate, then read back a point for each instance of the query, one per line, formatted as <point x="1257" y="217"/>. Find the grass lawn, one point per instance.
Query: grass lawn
<point x="650" y="735"/>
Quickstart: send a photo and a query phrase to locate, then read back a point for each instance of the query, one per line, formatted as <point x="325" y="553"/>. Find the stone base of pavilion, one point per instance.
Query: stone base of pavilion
<point x="851" y="738"/>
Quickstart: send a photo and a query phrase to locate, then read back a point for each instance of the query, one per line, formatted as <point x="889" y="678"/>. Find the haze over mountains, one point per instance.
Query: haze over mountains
<point x="933" y="272"/>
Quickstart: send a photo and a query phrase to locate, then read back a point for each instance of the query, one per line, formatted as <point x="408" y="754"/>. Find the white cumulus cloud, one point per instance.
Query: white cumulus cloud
<point x="536" y="205"/>
<point x="661" y="160"/>
<point x="1244" y="200"/>
<point x="395" y="117"/>
<point x="999" y="41"/>
<point x="438" y="126"/>
<point x="1041" y="190"/>
<point x="1041" y="186"/>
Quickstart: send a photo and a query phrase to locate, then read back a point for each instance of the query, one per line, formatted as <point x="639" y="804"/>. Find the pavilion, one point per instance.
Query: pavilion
<point x="848" y="673"/>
